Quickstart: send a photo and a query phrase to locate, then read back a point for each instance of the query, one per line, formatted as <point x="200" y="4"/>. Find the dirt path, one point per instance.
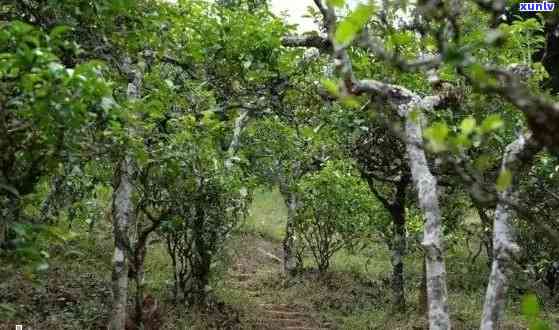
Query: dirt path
<point x="256" y="274"/>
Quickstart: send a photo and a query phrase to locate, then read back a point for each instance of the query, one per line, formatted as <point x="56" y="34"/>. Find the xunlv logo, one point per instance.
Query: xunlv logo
<point x="537" y="6"/>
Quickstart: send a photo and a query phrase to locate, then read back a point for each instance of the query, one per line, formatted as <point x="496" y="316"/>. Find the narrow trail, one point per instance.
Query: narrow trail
<point x="256" y="274"/>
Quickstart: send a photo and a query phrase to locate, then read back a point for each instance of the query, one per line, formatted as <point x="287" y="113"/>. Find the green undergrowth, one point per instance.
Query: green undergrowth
<point x="267" y="215"/>
<point x="355" y="293"/>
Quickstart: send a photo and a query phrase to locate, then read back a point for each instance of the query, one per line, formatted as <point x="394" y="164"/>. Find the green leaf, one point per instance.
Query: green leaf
<point x="351" y="102"/>
<point x="491" y="123"/>
<point x="483" y="162"/>
<point x="331" y="87"/>
<point x="437" y="134"/>
<point x="402" y="38"/>
<point x="353" y="23"/>
<point x="42" y="267"/>
<point x="454" y="55"/>
<point x="7" y="311"/>
<point x="460" y="142"/>
<point x="468" y="125"/>
<point x="32" y="40"/>
<point x="59" y="31"/>
<point x="438" y="131"/>
<point x="478" y="72"/>
<point x="20" y="230"/>
<point x="504" y="180"/>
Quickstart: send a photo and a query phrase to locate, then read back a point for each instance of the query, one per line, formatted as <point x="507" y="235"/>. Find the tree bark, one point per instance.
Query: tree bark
<point x="290" y="263"/>
<point x="123" y="209"/>
<point x="397" y="243"/>
<point x="289" y="253"/>
<point x="3" y="230"/>
<point x="240" y="124"/>
<point x="398" y="252"/>
<point x="202" y="258"/>
<point x="122" y="218"/>
<point x="139" y="283"/>
<point x="11" y="215"/>
<point x="516" y="154"/>
<point x="138" y="258"/>
<point x="487" y="234"/>
<point x="398" y="213"/>
<point x="48" y="210"/>
<point x="426" y="186"/>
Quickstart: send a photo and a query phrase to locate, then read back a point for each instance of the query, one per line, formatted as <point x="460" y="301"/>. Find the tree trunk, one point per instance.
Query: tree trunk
<point x="487" y="232"/>
<point x="171" y="250"/>
<point x="122" y="218"/>
<point x="290" y="260"/>
<point x="398" y="247"/>
<point x="3" y="229"/>
<point x="504" y="248"/>
<point x="202" y="258"/>
<point x="398" y="213"/>
<point x="49" y="211"/>
<point x="240" y="124"/>
<point x="426" y="186"/>
<point x="11" y="216"/>
<point x="289" y="253"/>
<point x="137" y="267"/>
<point x="4" y="220"/>
<point x="396" y="243"/>
<point x="139" y="282"/>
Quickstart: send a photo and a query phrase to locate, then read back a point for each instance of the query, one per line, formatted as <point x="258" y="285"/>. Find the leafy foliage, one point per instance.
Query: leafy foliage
<point x="336" y="210"/>
<point x="48" y="111"/>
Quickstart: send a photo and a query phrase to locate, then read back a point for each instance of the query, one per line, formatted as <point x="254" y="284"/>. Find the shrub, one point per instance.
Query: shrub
<point x="336" y="210"/>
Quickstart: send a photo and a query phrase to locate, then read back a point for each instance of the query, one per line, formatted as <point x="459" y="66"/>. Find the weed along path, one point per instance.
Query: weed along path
<point x="255" y="279"/>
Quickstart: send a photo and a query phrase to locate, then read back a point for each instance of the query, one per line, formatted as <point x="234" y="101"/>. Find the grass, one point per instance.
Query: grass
<point x="267" y="215"/>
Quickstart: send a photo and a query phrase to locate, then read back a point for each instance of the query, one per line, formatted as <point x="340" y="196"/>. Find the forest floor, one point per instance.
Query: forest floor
<point x="248" y="290"/>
